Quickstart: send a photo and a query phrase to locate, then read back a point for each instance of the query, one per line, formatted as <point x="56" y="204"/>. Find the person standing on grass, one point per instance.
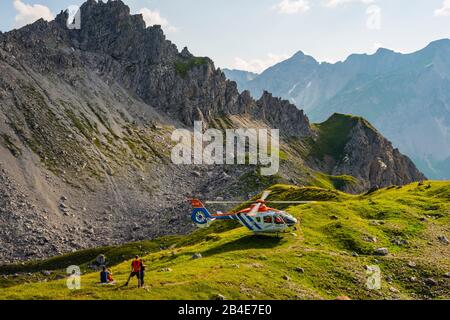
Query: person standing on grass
<point x="135" y="271"/>
<point x="142" y="272"/>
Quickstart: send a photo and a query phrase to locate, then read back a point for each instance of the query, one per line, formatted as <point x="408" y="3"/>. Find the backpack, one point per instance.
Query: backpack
<point x="136" y="265"/>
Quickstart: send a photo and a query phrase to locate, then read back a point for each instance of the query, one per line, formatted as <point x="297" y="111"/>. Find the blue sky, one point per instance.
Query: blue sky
<point x="254" y="34"/>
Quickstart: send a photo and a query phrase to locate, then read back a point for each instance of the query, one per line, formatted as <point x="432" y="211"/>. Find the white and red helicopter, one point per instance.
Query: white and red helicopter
<point x="258" y="218"/>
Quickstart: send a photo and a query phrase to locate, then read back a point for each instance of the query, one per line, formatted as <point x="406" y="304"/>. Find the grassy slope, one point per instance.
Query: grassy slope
<point x="239" y="265"/>
<point x="333" y="135"/>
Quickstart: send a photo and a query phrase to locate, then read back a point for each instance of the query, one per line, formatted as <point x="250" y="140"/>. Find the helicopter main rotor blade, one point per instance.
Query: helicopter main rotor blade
<point x="274" y="201"/>
<point x="265" y="195"/>
<point x="263" y="198"/>
<point x="254" y="210"/>
<point x="291" y="202"/>
<point x="224" y="202"/>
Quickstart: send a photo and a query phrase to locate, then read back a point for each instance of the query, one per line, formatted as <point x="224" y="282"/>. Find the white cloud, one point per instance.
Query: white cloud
<point x="152" y="17"/>
<point x="373" y="17"/>
<point x="292" y="6"/>
<point x="444" y="11"/>
<point x="336" y="3"/>
<point x="259" y="65"/>
<point x="27" y="14"/>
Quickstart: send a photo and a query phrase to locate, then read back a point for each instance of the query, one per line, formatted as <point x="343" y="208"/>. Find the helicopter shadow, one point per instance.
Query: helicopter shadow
<point x="247" y="242"/>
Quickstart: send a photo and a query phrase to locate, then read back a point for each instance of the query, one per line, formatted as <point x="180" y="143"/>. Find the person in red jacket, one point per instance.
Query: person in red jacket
<point x="136" y="265"/>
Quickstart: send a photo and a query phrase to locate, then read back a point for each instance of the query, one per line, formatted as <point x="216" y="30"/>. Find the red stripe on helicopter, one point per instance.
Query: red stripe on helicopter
<point x="197" y="203"/>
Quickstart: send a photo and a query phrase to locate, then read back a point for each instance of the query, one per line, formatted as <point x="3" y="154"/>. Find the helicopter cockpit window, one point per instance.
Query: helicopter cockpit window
<point x="267" y="219"/>
<point x="278" y="220"/>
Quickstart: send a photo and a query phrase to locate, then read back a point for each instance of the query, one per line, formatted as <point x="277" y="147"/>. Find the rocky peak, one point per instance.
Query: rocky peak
<point x="283" y="115"/>
<point x="351" y="145"/>
<point x="120" y="47"/>
<point x="384" y="51"/>
<point x="301" y="57"/>
<point x="110" y="28"/>
<point x="186" y="54"/>
<point x="372" y="157"/>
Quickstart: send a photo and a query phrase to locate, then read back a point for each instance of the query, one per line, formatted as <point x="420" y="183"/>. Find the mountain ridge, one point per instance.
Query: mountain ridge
<point x="404" y="95"/>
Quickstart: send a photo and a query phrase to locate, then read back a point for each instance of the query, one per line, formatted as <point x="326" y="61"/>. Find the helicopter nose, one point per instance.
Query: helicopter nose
<point x="290" y="221"/>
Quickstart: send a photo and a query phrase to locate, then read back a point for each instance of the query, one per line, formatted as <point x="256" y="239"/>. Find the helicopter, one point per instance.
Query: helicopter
<point x="258" y="218"/>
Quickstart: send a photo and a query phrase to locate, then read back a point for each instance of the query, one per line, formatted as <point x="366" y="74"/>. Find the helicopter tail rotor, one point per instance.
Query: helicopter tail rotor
<point x="200" y="215"/>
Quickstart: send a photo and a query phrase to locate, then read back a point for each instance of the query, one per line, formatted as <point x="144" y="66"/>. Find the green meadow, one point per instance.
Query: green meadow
<point x="326" y="257"/>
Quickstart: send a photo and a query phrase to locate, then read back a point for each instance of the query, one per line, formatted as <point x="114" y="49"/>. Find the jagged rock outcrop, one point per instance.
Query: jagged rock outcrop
<point x="351" y="146"/>
<point x="179" y="84"/>
<point x="370" y="157"/>
<point x="291" y="120"/>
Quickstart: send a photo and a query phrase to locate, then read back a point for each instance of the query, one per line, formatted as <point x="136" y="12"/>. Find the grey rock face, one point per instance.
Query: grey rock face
<point x="145" y="62"/>
<point x="382" y="251"/>
<point x="372" y="158"/>
<point x="287" y="119"/>
<point x="363" y="153"/>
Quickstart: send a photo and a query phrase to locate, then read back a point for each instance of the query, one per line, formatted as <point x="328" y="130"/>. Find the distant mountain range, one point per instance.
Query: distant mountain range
<point x="405" y="96"/>
<point x="240" y="77"/>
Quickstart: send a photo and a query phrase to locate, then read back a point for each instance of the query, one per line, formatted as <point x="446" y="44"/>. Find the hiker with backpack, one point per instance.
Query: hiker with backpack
<point x="136" y="266"/>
